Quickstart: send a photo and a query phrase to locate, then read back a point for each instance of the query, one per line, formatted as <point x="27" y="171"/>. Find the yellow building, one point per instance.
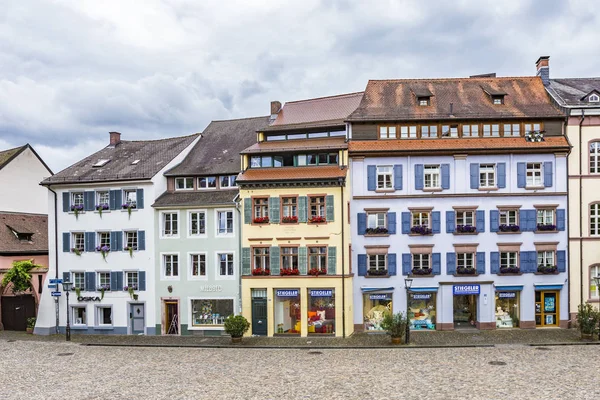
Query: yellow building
<point x="296" y="274"/>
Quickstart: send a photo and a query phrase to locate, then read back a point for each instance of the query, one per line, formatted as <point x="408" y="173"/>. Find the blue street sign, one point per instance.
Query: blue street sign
<point x="56" y="294"/>
<point x="55" y="281"/>
<point x="52" y="286"/>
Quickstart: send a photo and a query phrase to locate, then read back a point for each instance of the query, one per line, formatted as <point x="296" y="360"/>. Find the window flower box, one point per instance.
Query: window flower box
<point x="377" y="272"/>
<point x="261" y="271"/>
<point x="102" y="289"/>
<point x="317" y="219"/>
<point x="547" y="269"/>
<point x="289" y="271"/>
<point x="76" y="250"/>
<point x="546" y="227"/>
<point x="376" y="231"/>
<point x="317" y="271"/>
<point x="103" y="250"/>
<point x="289" y="220"/>
<point x="130" y="289"/>
<point x="101" y="207"/>
<point x="261" y="220"/>
<point x="510" y="270"/>
<point x="465" y="228"/>
<point x="509" y="228"/>
<point x="421" y="230"/>
<point x="465" y="271"/>
<point x="129" y="207"/>
<point x="421" y="271"/>
<point x="77" y="209"/>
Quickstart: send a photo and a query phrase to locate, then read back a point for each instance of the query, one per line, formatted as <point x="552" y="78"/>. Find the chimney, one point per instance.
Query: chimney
<point x="542" y="66"/>
<point x="275" y="108"/>
<point x="115" y="138"/>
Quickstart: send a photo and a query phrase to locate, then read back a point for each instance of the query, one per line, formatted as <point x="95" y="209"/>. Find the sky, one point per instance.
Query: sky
<point x="73" y="70"/>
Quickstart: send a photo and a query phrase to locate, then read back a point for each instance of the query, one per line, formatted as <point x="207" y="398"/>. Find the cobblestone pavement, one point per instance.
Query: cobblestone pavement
<point x="59" y="370"/>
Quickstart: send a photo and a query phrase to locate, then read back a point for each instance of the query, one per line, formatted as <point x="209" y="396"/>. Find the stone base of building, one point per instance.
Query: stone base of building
<point x="359" y="328"/>
<point x="563" y="323"/>
<point x="527" y="324"/>
<point x="445" y="326"/>
<point x="486" y="325"/>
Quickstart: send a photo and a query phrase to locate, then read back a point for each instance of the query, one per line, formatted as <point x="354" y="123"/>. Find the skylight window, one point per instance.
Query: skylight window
<point x="135" y="162"/>
<point x="101" y="163"/>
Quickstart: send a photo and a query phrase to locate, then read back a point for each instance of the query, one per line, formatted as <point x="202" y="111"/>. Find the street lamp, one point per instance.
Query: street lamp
<point x="597" y="279"/>
<point x="407" y="284"/>
<point x="67" y="288"/>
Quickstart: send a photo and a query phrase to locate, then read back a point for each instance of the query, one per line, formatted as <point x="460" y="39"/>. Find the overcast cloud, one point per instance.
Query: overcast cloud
<point x="73" y="70"/>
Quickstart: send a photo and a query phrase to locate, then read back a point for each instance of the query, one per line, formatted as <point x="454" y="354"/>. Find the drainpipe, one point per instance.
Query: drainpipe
<point x="343" y="264"/>
<point x="236" y="200"/>
<point x="581" y="206"/>
<point x="56" y="251"/>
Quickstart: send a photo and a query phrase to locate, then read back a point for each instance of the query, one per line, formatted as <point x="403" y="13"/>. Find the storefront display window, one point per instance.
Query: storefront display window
<point x="546" y="308"/>
<point x="375" y="307"/>
<point x="287" y="311"/>
<point x="321" y="311"/>
<point x="507" y="310"/>
<point x="422" y="311"/>
<point x="211" y="312"/>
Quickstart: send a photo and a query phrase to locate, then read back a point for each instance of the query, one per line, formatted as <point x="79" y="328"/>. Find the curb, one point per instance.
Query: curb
<point x="225" y="346"/>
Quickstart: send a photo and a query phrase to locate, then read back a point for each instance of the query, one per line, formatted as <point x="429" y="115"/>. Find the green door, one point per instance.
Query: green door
<point x="259" y="317"/>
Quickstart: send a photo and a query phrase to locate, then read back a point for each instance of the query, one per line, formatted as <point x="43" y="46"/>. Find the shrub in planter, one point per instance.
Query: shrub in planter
<point x="546" y="227"/>
<point x="587" y="320"/>
<point x="236" y="326"/>
<point x="289" y="271"/>
<point x="395" y="326"/>
<point x="30" y="324"/>
<point x="376" y="272"/>
<point x="317" y="219"/>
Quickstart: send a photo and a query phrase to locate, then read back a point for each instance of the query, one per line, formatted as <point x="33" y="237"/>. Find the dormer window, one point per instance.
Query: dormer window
<point x="423" y="96"/>
<point x="497" y="99"/>
<point x="594" y="98"/>
<point x="423" y="101"/>
<point x="184" y="183"/>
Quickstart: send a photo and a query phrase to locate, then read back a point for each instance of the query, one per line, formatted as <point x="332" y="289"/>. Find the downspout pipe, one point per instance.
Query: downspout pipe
<point x="581" y="206"/>
<point x="236" y="201"/>
<point x="55" y="251"/>
<point x="343" y="250"/>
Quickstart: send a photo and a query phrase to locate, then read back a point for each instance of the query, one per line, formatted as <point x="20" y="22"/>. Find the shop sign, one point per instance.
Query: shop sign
<point x="286" y="293"/>
<point x="421" y="296"/>
<point x="507" y="295"/>
<point x="465" y="289"/>
<point x="381" y="296"/>
<point x="81" y="298"/>
<point x="211" y="288"/>
<point x="321" y="293"/>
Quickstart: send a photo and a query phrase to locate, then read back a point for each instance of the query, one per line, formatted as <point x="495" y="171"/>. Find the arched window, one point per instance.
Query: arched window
<point x="594" y="289"/>
<point x="595" y="219"/>
<point x="595" y="158"/>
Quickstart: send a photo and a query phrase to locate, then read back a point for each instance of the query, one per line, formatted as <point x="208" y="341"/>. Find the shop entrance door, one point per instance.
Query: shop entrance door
<point x="259" y="317"/>
<point x="546" y="309"/>
<point x="136" y="318"/>
<point x="171" y="318"/>
<point x="465" y="311"/>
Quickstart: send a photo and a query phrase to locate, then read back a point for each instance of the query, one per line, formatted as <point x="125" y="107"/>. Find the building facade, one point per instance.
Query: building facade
<point x="461" y="186"/>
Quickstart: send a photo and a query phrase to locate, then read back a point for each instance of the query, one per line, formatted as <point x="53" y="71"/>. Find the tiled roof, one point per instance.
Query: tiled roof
<point x="324" y="144"/>
<point x="217" y="151"/>
<point x="312" y="113"/>
<point x="7" y="155"/>
<point x="196" y="198"/>
<point x="292" y="173"/>
<point x="570" y="91"/>
<point x="394" y="100"/>
<point x="153" y="155"/>
<point x="35" y="224"/>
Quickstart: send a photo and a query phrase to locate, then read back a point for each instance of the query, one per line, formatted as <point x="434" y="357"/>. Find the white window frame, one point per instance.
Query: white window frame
<point x="126" y="278"/>
<point x="126" y="200"/>
<point x="200" y="187"/>
<point x="185" y="181"/>
<point x="421" y="218"/>
<point x="532" y="127"/>
<point x="420" y="261"/>
<point x="547" y="216"/>
<point x="379" y="259"/>
<point x="408" y="131"/>
<point x="508" y="217"/>
<point x="594" y="219"/>
<point x="231" y="181"/>
<point x="163" y="235"/>
<point x="377" y="220"/>
<point x="594" y="98"/>
<point x="594" y="158"/>
<point x="191" y="276"/>
<point x="74" y="318"/>
<point x="126" y="239"/>
<point x="99" y="283"/>
<point x="206" y="327"/>
<point x="464" y="218"/>
<point x="99" y="238"/>
<point x="536" y="173"/>
<point x="435" y="176"/>
<point x="509" y="259"/>
<point x="594" y="271"/>
<point x="163" y="266"/>
<point x="74" y="195"/>
<point x="464" y="258"/>
<point x="546" y="255"/>
<point x="387" y="173"/>
<point x="388" y="132"/>
<point x="218" y="275"/>
<point x="426" y="131"/>
<point x="189" y="224"/>
<point x="97" y="196"/>
<point x="487" y="175"/>
<point x="82" y="288"/>
<point x="97" y="318"/>
<point x="217" y="222"/>
<point x="74" y="240"/>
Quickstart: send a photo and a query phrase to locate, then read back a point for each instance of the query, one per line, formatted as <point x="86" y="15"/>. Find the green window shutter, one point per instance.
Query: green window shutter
<point x="274" y="210"/>
<point x="274" y="261"/>
<point x="331" y="260"/>
<point x="246" y="261"/>
<point x="303" y="260"/>
<point x="329" y="208"/>
<point x="247" y="210"/>
<point x="302" y="209"/>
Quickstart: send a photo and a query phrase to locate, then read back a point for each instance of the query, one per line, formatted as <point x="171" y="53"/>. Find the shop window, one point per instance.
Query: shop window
<point x="286" y="312"/>
<point x="421" y="311"/>
<point x="546" y="309"/>
<point x="507" y="310"/>
<point x="211" y="312"/>
<point x="261" y="210"/>
<point x="79" y="315"/>
<point x="377" y="265"/>
<point x="375" y="307"/>
<point x="385" y="177"/>
<point x="321" y="311"/>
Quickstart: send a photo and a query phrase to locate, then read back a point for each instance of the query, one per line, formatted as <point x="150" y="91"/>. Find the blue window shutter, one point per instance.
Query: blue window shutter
<point x="88" y="201"/>
<point x="436" y="223"/>
<point x="391" y="221"/>
<point x="494" y="220"/>
<point x="246" y="261"/>
<point x="247" y="210"/>
<point x="118" y="199"/>
<point x="120" y="241"/>
<point x="450" y="263"/>
<point x="274" y="210"/>
<point x="112" y="200"/>
<point x="533" y="261"/>
<point x="436" y="263"/>
<point x="521" y="177"/>
<point x="480" y="218"/>
<point x="302" y="209"/>
<point x="90" y="241"/>
<point x="66" y="196"/>
<point x="90" y="281"/>
<point x="329" y="208"/>
<point x="113" y="280"/>
<point x="524" y="258"/>
<point x="474" y="175"/>
<point x="501" y="171"/>
<point x="139" y="199"/>
<point x="494" y="262"/>
<point x="391" y="264"/>
<point x="114" y="240"/>
<point x="532" y="220"/>
<point x="141" y="240"/>
<point x="303" y="260"/>
<point x="445" y="176"/>
<point x="398" y="177"/>
<point x="548" y="174"/>
<point x="66" y="237"/>
<point x="450" y="221"/>
<point x="406" y="222"/>
<point x="142" y="280"/>
<point x="561" y="260"/>
<point x="120" y="285"/>
<point x="418" y="176"/>
<point x="523" y="217"/>
<point x="480" y="262"/>
<point x="274" y="260"/>
<point x="362" y="265"/>
<point x="331" y="260"/>
<point x="66" y="277"/>
<point x="560" y="219"/>
<point x="361" y="223"/>
<point x="371" y="177"/>
<point x="406" y="261"/>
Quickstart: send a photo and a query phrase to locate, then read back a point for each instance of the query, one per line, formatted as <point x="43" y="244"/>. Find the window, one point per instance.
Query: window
<point x="207" y="182"/>
<point x="197" y="223"/>
<point x="421" y="264"/>
<point x="423" y="101"/>
<point x="78" y="279"/>
<point x="594" y="98"/>
<point x="376" y="221"/>
<point x="103" y="315"/>
<point x="225" y="222"/>
<point x="432" y="176"/>
<point x="491" y="130"/>
<point x="450" y="131"/>
<point x="385" y="177"/>
<point x="255" y="162"/>
<point x="498" y="99"/>
<point x="317" y="208"/>
<point x="197" y="265"/>
<point x="377" y="264"/>
<point x="225" y="264"/>
<point x="289" y="258"/>
<point x="464" y="262"/>
<point x="387" y="132"/>
<point x="420" y="218"/>
<point x="184" y="183"/>
<point x="170" y="223"/>
<point x="512" y="130"/>
<point x="487" y="175"/>
<point x="545" y="219"/>
<point x="102" y="200"/>
<point x="102" y="240"/>
<point x="595" y="158"/>
<point x="321" y="311"/>
<point x="465" y="218"/>
<point x="534" y="174"/>
<point x="508" y="219"/>
<point x="132" y="279"/>
<point x="595" y="219"/>
<point x="317" y="259"/>
<point x="261" y="260"/>
<point x="470" y="130"/>
<point x="261" y="209"/>
<point x="130" y="197"/>
<point x="545" y="258"/>
<point x="79" y="315"/>
<point x="104" y="280"/>
<point x="508" y="262"/>
<point x="594" y="290"/>
<point x="429" y="131"/>
<point x="211" y="312"/>
<point x="77" y="199"/>
<point x="535" y="127"/>
<point x="289" y="209"/>
<point x="77" y="241"/>
<point x="228" y="181"/>
<point x="131" y="240"/>
<point x="170" y="265"/>
<point x="408" y="132"/>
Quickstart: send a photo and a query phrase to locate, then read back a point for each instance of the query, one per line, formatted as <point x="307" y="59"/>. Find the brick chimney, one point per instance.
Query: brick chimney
<point x="275" y="108"/>
<point x="542" y="66"/>
<point x="115" y="138"/>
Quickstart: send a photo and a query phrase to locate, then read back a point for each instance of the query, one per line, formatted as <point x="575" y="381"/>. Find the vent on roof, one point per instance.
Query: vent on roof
<point x="135" y="162"/>
<point x="488" y="75"/>
<point x="101" y="163"/>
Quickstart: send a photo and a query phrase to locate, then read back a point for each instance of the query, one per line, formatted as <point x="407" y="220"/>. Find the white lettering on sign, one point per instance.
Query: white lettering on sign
<point x="211" y="288"/>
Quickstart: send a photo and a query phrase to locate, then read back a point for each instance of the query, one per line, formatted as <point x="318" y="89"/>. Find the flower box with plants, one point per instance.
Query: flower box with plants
<point x="261" y="220"/>
<point x="130" y="290"/>
<point x="422" y="271"/>
<point x="465" y="229"/>
<point x="509" y="228"/>
<point x="77" y="290"/>
<point x="289" y="271"/>
<point x="317" y="219"/>
<point x="103" y="250"/>
<point x="376" y="272"/>
<point x="546" y="227"/>
<point x="77" y="209"/>
<point x="102" y="289"/>
<point x="129" y="207"/>
<point x="101" y="207"/>
<point x="466" y="270"/>
<point x="289" y="220"/>
<point x="510" y="270"/>
<point x="547" y="269"/>
<point x="261" y="271"/>
<point x="77" y="250"/>
<point x="130" y="249"/>
<point x="317" y="271"/>
<point x="376" y="231"/>
<point x="421" y="230"/>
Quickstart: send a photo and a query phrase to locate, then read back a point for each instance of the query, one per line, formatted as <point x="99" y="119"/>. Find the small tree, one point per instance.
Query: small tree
<point x="19" y="276"/>
<point x="236" y="325"/>
<point x="587" y="319"/>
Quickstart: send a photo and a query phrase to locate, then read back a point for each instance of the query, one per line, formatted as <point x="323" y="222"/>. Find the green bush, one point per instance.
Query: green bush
<point x="236" y="325"/>
<point x="31" y="322"/>
<point x="587" y="319"/>
<point x="395" y="325"/>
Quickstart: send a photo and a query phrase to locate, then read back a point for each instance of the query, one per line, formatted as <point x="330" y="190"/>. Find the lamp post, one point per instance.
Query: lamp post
<point x="597" y="279"/>
<point x="67" y="288"/>
<point x="407" y="285"/>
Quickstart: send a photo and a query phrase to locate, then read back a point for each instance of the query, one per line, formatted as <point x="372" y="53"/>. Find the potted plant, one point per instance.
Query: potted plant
<point x="130" y="250"/>
<point x="289" y="271"/>
<point x="422" y="271"/>
<point x="236" y="326"/>
<point x="130" y="290"/>
<point x="546" y="227"/>
<point x="377" y="272"/>
<point x="317" y="271"/>
<point x="102" y="289"/>
<point x="101" y="207"/>
<point x="103" y="250"/>
<point x="395" y="325"/>
<point x="509" y="228"/>
<point x="587" y="320"/>
<point x="77" y="209"/>
<point x="77" y="290"/>
<point x="261" y="271"/>
<point x="509" y="270"/>
<point x="128" y="207"/>
<point x="30" y="324"/>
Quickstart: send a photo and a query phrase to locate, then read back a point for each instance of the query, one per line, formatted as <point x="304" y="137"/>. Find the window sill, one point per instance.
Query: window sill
<point x="79" y="327"/>
<point x="385" y="190"/>
<point x="432" y="189"/>
<point x="103" y="211"/>
<point x="535" y="187"/>
<point x="377" y="234"/>
<point x="465" y="233"/>
<point x="289" y="223"/>
<point x="509" y="274"/>
<point x="487" y="189"/>
<point x="546" y="273"/>
<point x="377" y="276"/>
<point x="465" y="275"/>
<point x="104" y="328"/>
<point x="316" y="223"/>
<point x="418" y="234"/>
<point x="509" y="233"/>
<point x="543" y="232"/>
<point x="421" y="276"/>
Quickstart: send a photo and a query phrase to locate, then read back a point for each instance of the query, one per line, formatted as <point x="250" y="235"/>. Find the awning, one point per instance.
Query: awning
<point x="548" y="286"/>
<point x="508" y="288"/>
<point x="376" y="289"/>
<point x="423" y="289"/>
